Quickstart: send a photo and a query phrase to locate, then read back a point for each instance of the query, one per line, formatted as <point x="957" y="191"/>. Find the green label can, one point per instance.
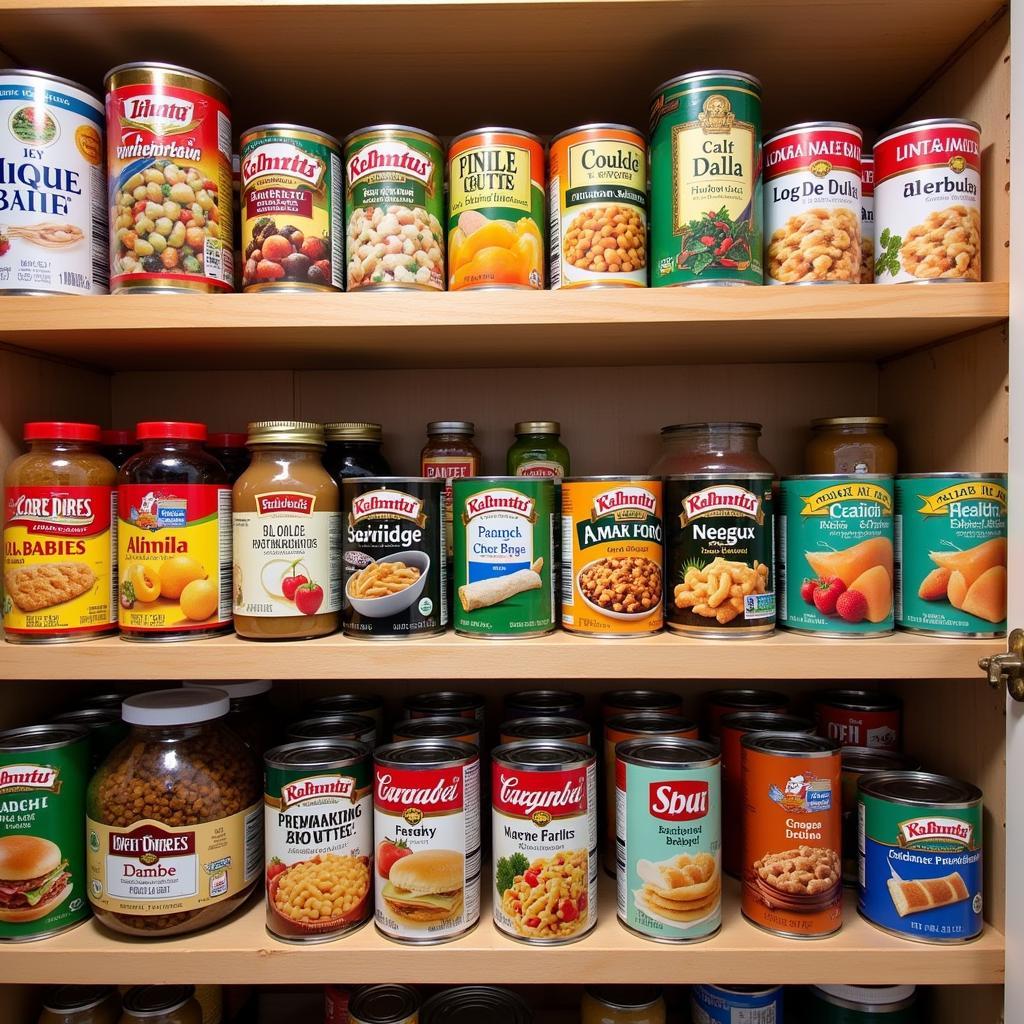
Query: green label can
<point x="706" y="217"/>
<point x="836" y="554"/>
<point x="44" y="770"/>
<point x="861" y="1004"/>
<point x="503" y="567"/>
<point x="951" y="554"/>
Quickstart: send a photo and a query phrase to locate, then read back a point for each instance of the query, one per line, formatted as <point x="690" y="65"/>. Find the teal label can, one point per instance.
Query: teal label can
<point x="951" y="554"/>
<point x="860" y="1004"/>
<point x="836" y="555"/>
<point x="503" y="573"/>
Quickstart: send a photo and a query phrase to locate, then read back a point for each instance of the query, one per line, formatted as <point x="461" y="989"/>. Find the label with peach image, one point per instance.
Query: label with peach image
<point x="836" y="555"/>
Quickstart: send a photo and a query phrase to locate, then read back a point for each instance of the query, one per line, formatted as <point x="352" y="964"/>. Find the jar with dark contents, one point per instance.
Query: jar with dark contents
<point x="80" y="1004"/>
<point x="450" y="454"/>
<point x="174" y="817"/>
<point x="118" y="446"/>
<point x="850" y="444"/>
<point x="161" y="1004"/>
<point x="355" y="449"/>
<point x="229" y="449"/>
<point x="250" y="715"/>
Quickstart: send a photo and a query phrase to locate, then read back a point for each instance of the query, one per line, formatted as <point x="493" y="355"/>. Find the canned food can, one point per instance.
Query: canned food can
<point x="622" y="1004"/>
<point x="383" y="1004"/>
<point x="336" y="999"/>
<point x="544" y="838"/>
<point x="470" y="1004"/>
<point x="860" y="718"/>
<point x="706" y="201"/>
<point x="426" y="820"/>
<point x="169" y="180"/>
<point x="467" y="730"/>
<point x="622" y="702"/>
<point x="867" y="218"/>
<point x="542" y="703"/>
<point x="598" y="181"/>
<point x="393" y="558"/>
<point x="719" y="703"/>
<point x="611" y="529"/>
<point x="569" y="730"/>
<point x="928" y="202"/>
<point x="503" y="575"/>
<point x="444" y="704"/>
<point x="44" y="770"/>
<point x="718" y="1004"/>
<point x="291" y="209"/>
<point x="105" y="726"/>
<point x="318" y="837"/>
<point x="355" y="728"/>
<point x="54" y="237"/>
<point x="840" y="528"/>
<point x="920" y="855"/>
<point x="394" y="202"/>
<point x="668" y="838"/>
<point x="365" y="704"/>
<point x="792" y="829"/>
<point x="862" y="1004"/>
<point x="951" y="544"/>
<point x="496" y="217"/>
<point x="812" y="204"/>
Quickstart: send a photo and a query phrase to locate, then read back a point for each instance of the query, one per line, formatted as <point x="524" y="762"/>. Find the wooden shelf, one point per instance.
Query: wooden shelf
<point x="241" y="951"/>
<point x="659" y="326"/>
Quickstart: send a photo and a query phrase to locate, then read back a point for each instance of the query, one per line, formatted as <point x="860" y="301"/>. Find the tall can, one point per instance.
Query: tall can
<point x="718" y="1004"/>
<point x="291" y="209"/>
<point x="169" y="180"/>
<point x="496" y="216"/>
<point x="503" y="573"/>
<point x="862" y="718"/>
<point x="668" y="838"/>
<point x="394" y="202"/>
<point x="951" y="543"/>
<point x="867" y="218"/>
<point x="598" y="207"/>
<point x="706" y="203"/>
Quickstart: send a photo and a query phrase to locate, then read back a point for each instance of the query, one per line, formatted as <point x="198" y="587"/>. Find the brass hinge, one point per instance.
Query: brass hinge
<point x="1007" y="668"/>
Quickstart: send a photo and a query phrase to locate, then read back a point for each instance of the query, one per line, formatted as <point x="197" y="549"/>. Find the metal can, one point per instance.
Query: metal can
<point x="291" y="209"/>
<point x="318" y="837"/>
<point x="44" y="770"/>
<point x="841" y="528"/>
<point x="54" y="237"/>
<point x="861" y="1004"/>
<point x="812" y="204"/>
<point x="569" y="730"/>
<point x="706" y="205"/>
<point x="356" y="728"/>
<point x="867" y="218"/>
<point x="792" y="829"/>
<point x="393" y="557"/>
<point x="719" y="703"/>
<point x="496" y="217"/>
<point x="598" y="182"/>
<point x="733" y="728"/>
<point x="470" y="1004"/>
<point x="503" y="576"/>
<point x="542" y="703"/>
<point x="444" y="704"/>
<point x="611" y="529"/>
<point x="623" y="1004"/>
<point x="468" y="730"/>
<point x="80" y="1004"/>
<point x="951" y="539"/>
<point x="369" y="705"/>
<point x="145" y="1003"/>
<point x="718" y="1004"/>
<point x="169" y="180"/>
<point x="622" y="702"/>
<point x="860" y="718"/>
<point x="544" y="838"/>
<point x="426" y="820"/>
<point x="383" y="1004"/>
<point x="105" y="726"/>
<point x="394" y="202"/>
<point x="668" y="838"/>
<point x="928" y="202"/>
<point x="920" y="855"/>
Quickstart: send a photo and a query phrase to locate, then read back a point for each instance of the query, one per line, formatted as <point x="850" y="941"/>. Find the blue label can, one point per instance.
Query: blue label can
<point x="741" y="1004"/>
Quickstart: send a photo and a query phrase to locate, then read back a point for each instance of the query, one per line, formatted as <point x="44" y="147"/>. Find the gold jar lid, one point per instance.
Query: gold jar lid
<point x="353" y="431"/>
<point x="539" y="427"/>
<point x="284" y="432"/>
<point x="851" y="421"/>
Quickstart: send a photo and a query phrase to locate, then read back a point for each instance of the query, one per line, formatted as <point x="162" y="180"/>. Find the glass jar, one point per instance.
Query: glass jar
<point x="710" y="448"/>
<point x="538" y="450"/>
<point x="850" y="444"/>
<point x="229" y="450"/>
<point x="354" y="449"/>
<point x="450" y="453"/>
<point x="80" y="1004"/>
<point x="161" y="1004"/>
<point x="250" y="715"/>
<point x="622" y="1004"/>
<point x="118" y="446"/>
<point x="178" y="797"/>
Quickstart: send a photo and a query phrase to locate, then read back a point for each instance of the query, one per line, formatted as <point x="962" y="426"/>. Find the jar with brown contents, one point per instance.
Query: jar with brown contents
<point x="80" y="1004"/>
<point x="850" y="444"/>
<point x="174" y="818"/>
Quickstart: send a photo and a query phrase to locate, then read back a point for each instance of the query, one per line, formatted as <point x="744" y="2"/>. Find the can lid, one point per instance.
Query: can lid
<point x="329" y="727"/>
<point x="91" y="718"/>
<point x="796" y="744"/>
<point x="347" y="702"/>
<point x="804" y="126"/>
<point x="626" y="997"/>
<point x="328" y="753"/>
<point x="175" y="707"/>
<point x="494" y="129"/>
<point x="542" y="755"/>
<point x="858" y="700"/>
<point x="425" y="753"/>
<point x="641" y="700"/>
<point x="285" y="126"/>
<point x="766" y="721"/>
<point x="542" y="727"/>
<point x="64" y="998"/>
<point x="869" y="995"/>
<point x="747" y="699"/>
<point x="436" y="728"/>
<point x="542" y="701"/>
<point x="470" y="1004"/>
<point x="924" y="789"/>
<point x="851" y="421"/>
<point x="538" y="427"/>
<point x="170" y="429"/>
<point x="248" y="688"/>
<point x="383" y="1004"/>
<point x="667" y="751"/>
<point x="155" y="1000"/>
<point x="443" y="700"/>
<point x="451" y="427"/>
<point x="112" y="437"/>
<point x="102" y="700"/>
<point x="42" y="737"/>
<point x="876" y="759"/>
<point x="286" y="432"/>
<point x="57" y="430"/>
<point x="154" y="65"/>
<point x="600" y="126"/>
<point x="227" y="439"/>
<point x="353" y="431"/>
<point x="654" y="722"/>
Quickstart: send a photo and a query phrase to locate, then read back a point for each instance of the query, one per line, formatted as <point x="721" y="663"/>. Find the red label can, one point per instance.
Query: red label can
<point x="725" y="702"/>
<point x="860" y="718"/>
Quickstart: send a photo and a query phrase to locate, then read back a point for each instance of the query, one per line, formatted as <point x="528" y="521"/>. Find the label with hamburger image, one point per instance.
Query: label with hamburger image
<point x="427" y="828"/>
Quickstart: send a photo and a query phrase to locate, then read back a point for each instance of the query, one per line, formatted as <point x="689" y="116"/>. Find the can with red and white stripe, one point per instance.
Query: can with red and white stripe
<point x="867" y="218"/>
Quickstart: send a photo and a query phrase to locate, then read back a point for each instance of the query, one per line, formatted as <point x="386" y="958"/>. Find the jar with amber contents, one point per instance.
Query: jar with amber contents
<point x="850" y="444"/>
<point x="161" y="1004"/>
<point x="450" y="453"/>
<point x="80" y="1004"/>
<point x="287" y="536"/>
<point x="622" y="1004"/>
<point x="174" y="817"/>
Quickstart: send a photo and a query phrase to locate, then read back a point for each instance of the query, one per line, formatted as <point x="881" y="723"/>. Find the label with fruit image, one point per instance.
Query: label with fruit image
<point x="174" y="558"/>
<point x="836" y="562"/>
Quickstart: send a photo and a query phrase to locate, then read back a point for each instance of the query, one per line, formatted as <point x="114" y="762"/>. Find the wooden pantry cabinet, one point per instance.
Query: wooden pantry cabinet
<point x="612" y="367"/>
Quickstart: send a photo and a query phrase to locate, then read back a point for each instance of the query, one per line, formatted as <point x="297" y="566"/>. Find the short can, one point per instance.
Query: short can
<point x="470" y="1004"/>
<point x="792" y="829"/>
<point x="496" y="217"/>
<point x="54" y="235"/>
<point x="867" y="218"/>
<point x="836" y="555"/>
<point x="105" y="726"/>
<point x="368" y="704"/>
<point x="706" y="205"/>
<point x="920" y="855"/>
<point x="467" y="730"/>
<point x="393" y="558"/>
<point x="394" y="204"/>
<point x="623" y="702"/>
<point x="44" y="770"/>
<point x="719" y="703"/>
<point x="861" y="1004"/>
<point x="612" y="555"/>
<point x="668" y="838"/>
<point x="928" y="202"/>
<point x="291" y="209"/>
<point x="503" y="573"/>
<point x="859" y="718"/>
<point x="169" y="180"/>
<point x="597" y="197"/>
<point x="351" y="728"/>
<point x="383" y="1004"/>
<point x="566" y="730"/>
<point x="951" y="546"/>
<point x="445" y="704"/>
<point x="544" y="838"/>
<point x="720" y="555"/>
<point x="426" y="823"/>
<point x="812" y="204"/>
<point x="318" y="837"/>
<point x="720" y="1004"/>
<point x="554" y="703"/>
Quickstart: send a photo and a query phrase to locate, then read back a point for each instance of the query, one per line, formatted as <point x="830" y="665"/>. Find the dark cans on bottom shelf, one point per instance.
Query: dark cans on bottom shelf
<point x="381" y="1004"/>
<point x="716" y="1004"/>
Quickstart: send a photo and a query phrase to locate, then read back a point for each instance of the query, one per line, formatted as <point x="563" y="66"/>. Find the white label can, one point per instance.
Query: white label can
<point x="867" y="218"/>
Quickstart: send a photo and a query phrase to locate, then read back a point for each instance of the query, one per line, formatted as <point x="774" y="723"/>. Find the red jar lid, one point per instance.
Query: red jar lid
<point x="229" y="439"/>
<point x="58" y="431"/>
<point x="170" y="430"/>
<point x="111" y="437"/>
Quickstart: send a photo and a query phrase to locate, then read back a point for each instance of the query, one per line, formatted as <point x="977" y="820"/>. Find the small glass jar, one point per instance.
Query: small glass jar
<point x="161" y="1004"/>
<point x="690" y="448"/>
<point x="450" y="453"/>
<point x="229" y="450"/>
<point x="354" y="449"/>
<point x="250" y="715"/>
<point x="850" y="445"/>
<point x="80" y="1004"/>
<point x="118" y="446"/>
<point x="538" y="450"/>
<point x="622" y="1004"/>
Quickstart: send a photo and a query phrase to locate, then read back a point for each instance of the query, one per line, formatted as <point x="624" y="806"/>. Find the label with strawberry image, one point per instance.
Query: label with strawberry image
<point x="836" y="554"/>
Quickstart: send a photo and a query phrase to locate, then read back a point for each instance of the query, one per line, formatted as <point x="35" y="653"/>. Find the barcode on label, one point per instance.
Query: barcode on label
<point x="99" y="238"/>
<point x="897" y="576"/>
<point x="224" y="135"/>
<point x="224" y="553"/>
<point x="554" y="223"/>
<point x="567" y="574"/>
<point x="781" y="569"/>
<point x="253" y="843"/>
